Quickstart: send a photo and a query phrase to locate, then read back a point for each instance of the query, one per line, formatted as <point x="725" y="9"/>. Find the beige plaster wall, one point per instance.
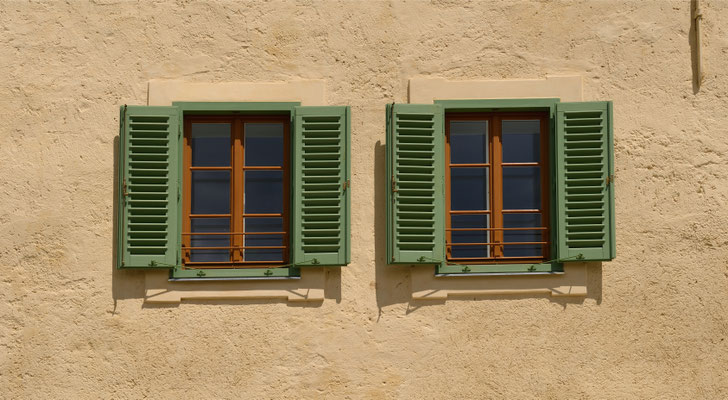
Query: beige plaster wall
<point x="653" y="324"/>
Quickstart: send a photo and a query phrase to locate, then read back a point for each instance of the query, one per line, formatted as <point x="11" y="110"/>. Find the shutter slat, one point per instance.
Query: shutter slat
<point x="584" y="194"/>
<point x="415" y="173"/>
<point x="321" y="199"/>
<point x="148" y="232"/>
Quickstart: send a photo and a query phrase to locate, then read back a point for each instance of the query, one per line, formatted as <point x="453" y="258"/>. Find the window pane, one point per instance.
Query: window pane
<point x="210" y="145"/>
<point x="469" y="188"/>
<point x="522" y="221"/>
<point x="263" y="192"/>
<point x="470" y="221"/>
<point x="264" y="144"/>
<point x="468" y="142"/>
<point x="210" y="192"/>
<point x="521" y="141"/>
<point x="521" y="188"/>
<point x="210" y="225"/>
<point x="264" y="225"/>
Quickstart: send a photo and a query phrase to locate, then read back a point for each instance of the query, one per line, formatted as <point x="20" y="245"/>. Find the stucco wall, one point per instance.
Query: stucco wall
<point x="654" y="323"/>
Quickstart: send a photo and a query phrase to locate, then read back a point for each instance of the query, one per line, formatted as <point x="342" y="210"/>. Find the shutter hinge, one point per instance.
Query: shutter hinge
<point x="609" y="180"/>
<point x="394" y="185"/>
<point x="345" y="185"/>
<point x="123" y="188"/>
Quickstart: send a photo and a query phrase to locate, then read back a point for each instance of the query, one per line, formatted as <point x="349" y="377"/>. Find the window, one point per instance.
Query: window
<point x="233" y="190"/>
<point x="236" y="191"/>
<point x="494" y="186"/>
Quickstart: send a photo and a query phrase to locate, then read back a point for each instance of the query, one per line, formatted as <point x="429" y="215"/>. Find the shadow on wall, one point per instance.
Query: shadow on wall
<point x="125" y="284"/>
<point x="393" y="282"/>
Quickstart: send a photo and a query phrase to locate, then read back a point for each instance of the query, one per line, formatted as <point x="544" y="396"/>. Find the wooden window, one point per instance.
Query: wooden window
<point x="497" y="186"/>
<point x="236" y="190"/>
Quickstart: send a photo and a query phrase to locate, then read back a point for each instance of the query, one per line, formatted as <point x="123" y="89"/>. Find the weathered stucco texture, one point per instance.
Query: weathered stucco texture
<point x="654" y="322"/>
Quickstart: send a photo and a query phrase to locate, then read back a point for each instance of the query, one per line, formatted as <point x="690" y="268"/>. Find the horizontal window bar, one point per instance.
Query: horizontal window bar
<point x="263" y="215"/>
<point x="539" y="228"/>
<point x="467" y="212"/>
<point x="209" y="215"/>
<point x="232" y="233"/>
<point x="492" y="244"/>
<point x="233" y="247"/>
<point x="210" y="168"/>
<point x="530" y="211"/>
<point x="228" y="264"/>
<point x="474" y="165"/>
<point x="257" y="167"/>
<point x="521" y="164"/>
<point x="493" y="258"/>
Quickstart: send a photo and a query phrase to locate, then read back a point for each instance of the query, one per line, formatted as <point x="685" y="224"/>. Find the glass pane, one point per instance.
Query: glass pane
<point x="522" y="221"/>
<point x="470" y="221"/>
<point x="521" y="141"/>
<point x="263" y="225"/>
<point x="468" y="142"/>
<point x="210" y="192"/>
<point x="469" y="188"/>
<point x="264" y="144"/>
<point x="210" y="225"/>
<point x="263" y="192"/>
<point x="210" y="145"/>
<point x="521" y="188"/>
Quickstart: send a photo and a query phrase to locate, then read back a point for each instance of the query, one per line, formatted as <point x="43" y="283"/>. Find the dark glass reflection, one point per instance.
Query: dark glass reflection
<point x="210" y="192"/>
<point x="521" y="141"/>
<point x="210" y="225"/>
<point x="264" y="144"/>
<point x="468" y="142"/>
<point x="263" y="192"/>
<point x="470" y="221"/>
<point x="210" y="144"/>
<point x="263" y="225"/>
<point x="521" y="188"/>
<point x="469" y="188"/>
<point x="522" y="221"/>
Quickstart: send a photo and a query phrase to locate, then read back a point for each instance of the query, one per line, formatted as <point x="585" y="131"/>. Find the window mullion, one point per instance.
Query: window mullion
<point x="238" y="189"/>
<point x="496" y="192"/>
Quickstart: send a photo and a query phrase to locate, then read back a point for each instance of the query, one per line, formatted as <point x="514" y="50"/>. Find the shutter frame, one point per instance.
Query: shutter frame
<point x="148" y="232"/>
<point x="321" y="237"/>
<point x="585" y="225"/>
<point x="426" y="241"/>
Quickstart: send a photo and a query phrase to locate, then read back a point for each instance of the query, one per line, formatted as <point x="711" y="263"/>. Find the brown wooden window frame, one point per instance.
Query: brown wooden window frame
<point x="237" y="170"/>
<point x="495" y="188"/>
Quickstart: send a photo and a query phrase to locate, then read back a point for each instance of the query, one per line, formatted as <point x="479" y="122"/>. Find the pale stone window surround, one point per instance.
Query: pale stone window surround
<point x="425" y="284"/>
<point x="310" y="286"/>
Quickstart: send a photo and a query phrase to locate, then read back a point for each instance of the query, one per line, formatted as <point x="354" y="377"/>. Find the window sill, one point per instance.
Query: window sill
<point x="429" y="284"/>
<point x="230" y="273"/>
<point x="518" y="269"/>
<point x="308" y="287"/>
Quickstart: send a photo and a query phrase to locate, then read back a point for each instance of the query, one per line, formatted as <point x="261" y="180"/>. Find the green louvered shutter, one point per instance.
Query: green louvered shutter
<point x="148" y="195"/>
<point x="321" y="192"/>
<point x="415" y="184"/>
<point x="584" y="181"/>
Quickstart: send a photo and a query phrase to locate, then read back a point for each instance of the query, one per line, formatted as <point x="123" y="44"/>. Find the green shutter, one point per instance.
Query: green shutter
<point x="321" y="191"/>
<point x="584" y="181"/>
<point x="415" y="188"/>
<point x="148" y="196"/>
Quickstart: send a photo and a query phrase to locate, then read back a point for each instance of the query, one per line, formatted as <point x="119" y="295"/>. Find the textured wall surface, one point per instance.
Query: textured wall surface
<point x="653" y="325"/>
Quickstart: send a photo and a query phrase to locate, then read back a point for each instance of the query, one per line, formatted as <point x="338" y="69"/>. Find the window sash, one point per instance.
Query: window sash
<point x="496" y="211"/>
<point x="236" y="216"/>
